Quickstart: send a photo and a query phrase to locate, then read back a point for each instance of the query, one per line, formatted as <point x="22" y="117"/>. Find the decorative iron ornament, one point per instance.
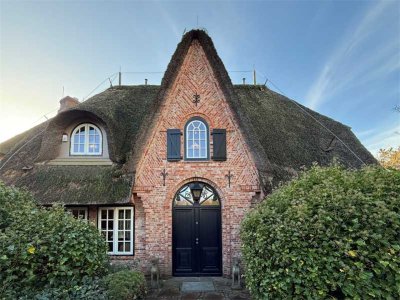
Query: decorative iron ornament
<point x="229" y="176"/>
<point x="196" y="99"/>
<point x="164" y="174"/>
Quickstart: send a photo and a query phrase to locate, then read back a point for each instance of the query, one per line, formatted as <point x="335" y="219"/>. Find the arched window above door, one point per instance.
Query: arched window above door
<point x="196" y="193"/>
<point x="196" y="140"/>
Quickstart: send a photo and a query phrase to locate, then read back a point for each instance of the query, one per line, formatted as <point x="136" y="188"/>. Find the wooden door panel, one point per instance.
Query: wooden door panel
<point x="210" y="240"/>
<point x="183" y="243"/>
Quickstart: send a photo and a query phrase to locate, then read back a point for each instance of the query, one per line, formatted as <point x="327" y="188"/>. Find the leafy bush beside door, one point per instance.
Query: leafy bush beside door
<point x="44" y="248"/>
<point x="330" y="233"/>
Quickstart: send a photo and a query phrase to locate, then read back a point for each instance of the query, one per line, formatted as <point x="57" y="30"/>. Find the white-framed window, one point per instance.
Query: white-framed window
<point x="86" y="139"/>
<point x="196" y="139"/>
<point x="79" y="212"/>
<point x="116" y="225"/>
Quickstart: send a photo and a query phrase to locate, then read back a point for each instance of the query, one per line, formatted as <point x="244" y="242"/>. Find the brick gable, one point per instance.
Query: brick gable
<point x="153" y="200"/>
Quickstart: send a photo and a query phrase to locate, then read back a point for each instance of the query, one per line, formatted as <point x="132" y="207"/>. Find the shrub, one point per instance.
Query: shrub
<point x="45" y="247"/>
<point x="125" y="284"/>
<point x="332" y="233"/>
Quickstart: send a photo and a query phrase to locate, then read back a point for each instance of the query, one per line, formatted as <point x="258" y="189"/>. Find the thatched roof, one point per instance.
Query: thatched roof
<point x="281" y="136"/>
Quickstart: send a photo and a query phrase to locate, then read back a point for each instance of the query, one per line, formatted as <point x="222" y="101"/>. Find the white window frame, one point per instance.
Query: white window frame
<point x="86" y="145"/>
<point x="71" y="208"/>
<point x="115" y="228"/>
<point x="200" y="157"/>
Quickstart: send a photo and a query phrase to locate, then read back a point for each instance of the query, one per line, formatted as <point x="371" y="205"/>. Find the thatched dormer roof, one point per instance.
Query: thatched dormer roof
<point x="283" y="136"/>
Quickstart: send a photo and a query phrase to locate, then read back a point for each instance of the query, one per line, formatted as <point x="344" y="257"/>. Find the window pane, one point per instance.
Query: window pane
<point x="91" y="139"/>
<point x="82" y="129"/>
<point x="81" y="148"/>
<point x="128" y="214"/>
<point x="127" y="247"/>
<point x="110" y="235"/>
<point x="110" y="224"/>
<point x="128" y="225"/>
<point x="82" y="139"/>
<point x="196" y="153"/>
<point x="110" y="247"/>
<point x="92" y="130"/>
<point x="76" y="148"/>
<point x="121" y="214"/>
<point x="203" y="135"/>
<point x="120" y="246"/>
<point x="103" y="225"/>
<point x="190" y="136"/>
<point x="203" y="153"/>
<point x="120" y="225"/>
<point x="120" y="235"/>
<point x="111" y="214"/>
<point x="127" y="235"/>
<point x="103" y="214"/>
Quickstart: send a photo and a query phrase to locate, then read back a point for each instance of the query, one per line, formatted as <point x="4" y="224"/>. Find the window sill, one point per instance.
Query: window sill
<point x="81" y="161"/>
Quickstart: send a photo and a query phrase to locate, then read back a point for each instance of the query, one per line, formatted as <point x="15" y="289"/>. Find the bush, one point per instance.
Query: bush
<point x="45" y="248"/>
<point x="125" y="285"/>
<point x="332" y="233"/>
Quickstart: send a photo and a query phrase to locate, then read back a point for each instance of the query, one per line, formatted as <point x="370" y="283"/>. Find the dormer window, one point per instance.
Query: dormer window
<point x="86" y="139"/>
<point x="196" y="140"/>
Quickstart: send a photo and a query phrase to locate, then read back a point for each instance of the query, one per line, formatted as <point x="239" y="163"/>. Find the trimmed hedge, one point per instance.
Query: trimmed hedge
<point x="331" y="233"/>
<point x="125" y="284"/>
<point x="45" y="248"/>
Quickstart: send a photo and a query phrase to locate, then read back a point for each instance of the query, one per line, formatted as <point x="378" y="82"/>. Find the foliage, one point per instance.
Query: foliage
<point x="126" y="284"/>
<point x="87" y="289"/>
<point x="45" y="248"/>
<point x="390" y="158"/>
<point x="331" y="233"/>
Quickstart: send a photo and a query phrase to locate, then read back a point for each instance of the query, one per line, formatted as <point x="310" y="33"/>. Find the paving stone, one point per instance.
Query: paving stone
<point x="191" y="296"/>
<point x="169" y="292"/>
<point x="213" y="296"/>
<point x="199" y="286"/>
<point x="171" y="289"/>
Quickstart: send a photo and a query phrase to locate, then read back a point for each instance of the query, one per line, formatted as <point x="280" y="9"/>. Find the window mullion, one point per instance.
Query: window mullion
<point x="86" y="151"/>
<point x="115" y="231"/>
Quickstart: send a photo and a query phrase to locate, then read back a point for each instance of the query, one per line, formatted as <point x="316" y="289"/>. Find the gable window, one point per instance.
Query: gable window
<point x="86" y="140"/>
<point x="116" y="225"/>
<point x="79" y="212"/>
<point x="196" y="140"/>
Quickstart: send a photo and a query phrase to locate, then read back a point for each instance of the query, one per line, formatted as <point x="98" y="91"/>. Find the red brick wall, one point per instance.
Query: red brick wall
<point x="153" y="201"/>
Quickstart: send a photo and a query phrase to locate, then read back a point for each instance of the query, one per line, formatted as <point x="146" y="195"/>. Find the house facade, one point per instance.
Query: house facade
<point x="170" y="171"/>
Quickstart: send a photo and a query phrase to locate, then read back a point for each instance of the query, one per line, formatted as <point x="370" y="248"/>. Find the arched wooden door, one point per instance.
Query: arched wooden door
<point x="196" y="231"/>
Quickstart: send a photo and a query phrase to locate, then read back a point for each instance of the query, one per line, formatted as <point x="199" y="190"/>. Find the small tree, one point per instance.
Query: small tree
<point x="332" y="233"/>
<point x="389" y="158"/>
<point x="42" y="247"/>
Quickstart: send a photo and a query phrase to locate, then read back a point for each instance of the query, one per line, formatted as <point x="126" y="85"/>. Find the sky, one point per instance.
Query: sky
<point x="339" y="58"/>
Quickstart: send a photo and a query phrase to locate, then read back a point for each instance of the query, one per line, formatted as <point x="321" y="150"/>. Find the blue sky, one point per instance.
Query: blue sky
<point x="340" y="58"/>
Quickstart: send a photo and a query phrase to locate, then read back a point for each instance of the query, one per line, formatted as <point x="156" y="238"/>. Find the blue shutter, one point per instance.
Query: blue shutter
<point x="219" y="144"/>
<point x="173" y="144"/>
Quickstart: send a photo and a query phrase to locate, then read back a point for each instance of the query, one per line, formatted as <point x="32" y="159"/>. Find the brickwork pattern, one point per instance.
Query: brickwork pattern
<point x="153" y="200"/>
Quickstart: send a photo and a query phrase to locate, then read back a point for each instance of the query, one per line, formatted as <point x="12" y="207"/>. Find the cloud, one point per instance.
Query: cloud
<point x="386" y="138"/>
<point x="354" y="61"/>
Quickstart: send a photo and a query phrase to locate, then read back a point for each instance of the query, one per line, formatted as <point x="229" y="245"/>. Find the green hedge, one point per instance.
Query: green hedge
<point x="45" y="248"/>
<point x="125" y="284"/>
<point x="331" y="233"/>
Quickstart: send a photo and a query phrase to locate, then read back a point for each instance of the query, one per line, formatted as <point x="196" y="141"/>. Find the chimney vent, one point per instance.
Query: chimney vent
<point x="244" y="80"/>
<point x="145" y="81"/>
<point x="67" y="103"/>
